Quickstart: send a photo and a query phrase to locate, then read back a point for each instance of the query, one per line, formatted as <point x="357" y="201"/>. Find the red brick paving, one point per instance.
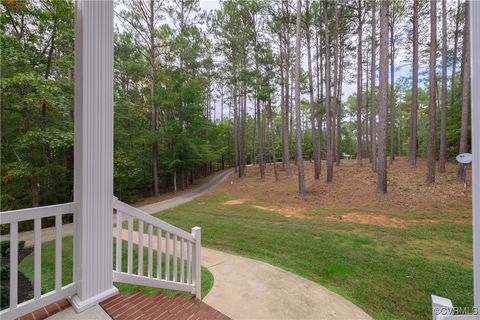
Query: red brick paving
<point x="140" y="306"/>
<point x="46" y="311"/>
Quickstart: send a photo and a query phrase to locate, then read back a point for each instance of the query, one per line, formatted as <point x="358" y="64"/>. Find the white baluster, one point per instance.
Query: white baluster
<point x="189" y="262"/>
<point x="119" y="241"/>
<point x="159" y="253"/>
<point x="167" y="255"/>
<point x="13" y="264"/>
<point x="150" y="251"/>
<point x="58" y="252"/>
<point x="37" y="284"/>
<point x="140" y="247"/>
<point x="130" y="245"/>
<point x="182" y="260"/>
<point x="197" y="234"/>
<point x="175" y="271"/>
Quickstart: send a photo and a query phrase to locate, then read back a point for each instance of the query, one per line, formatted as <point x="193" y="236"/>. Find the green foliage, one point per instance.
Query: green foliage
<point x="37" y="104"/>
<point x="5" y="297"/>
<point x="5" y="272"/>
<point x="4" y="248"/>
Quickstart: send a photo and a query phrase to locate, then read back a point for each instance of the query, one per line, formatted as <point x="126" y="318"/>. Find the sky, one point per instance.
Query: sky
<point x="208" y="5"/>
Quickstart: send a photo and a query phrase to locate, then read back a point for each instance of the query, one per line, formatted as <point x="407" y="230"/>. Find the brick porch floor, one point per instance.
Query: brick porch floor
<point x="140" y="306"/>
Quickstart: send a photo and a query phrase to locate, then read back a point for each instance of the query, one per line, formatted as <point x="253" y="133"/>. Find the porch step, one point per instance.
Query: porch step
<point x="141" y="306"/>
<point x="47" y="311"/>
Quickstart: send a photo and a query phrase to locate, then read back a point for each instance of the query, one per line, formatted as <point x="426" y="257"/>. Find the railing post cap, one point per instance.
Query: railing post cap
<point x="196" y="229"/>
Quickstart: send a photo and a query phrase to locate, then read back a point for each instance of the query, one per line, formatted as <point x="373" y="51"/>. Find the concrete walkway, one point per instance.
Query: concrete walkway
<point x="249" y="289"/>
<point x="246" y="288"/>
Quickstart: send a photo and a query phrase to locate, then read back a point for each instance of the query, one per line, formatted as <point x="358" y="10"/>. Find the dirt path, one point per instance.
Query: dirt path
<point x="189" y="196"/>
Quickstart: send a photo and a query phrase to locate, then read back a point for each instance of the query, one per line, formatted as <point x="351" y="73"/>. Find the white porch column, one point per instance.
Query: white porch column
<point x="475" y="85"/>
<point x="93" y="161"/>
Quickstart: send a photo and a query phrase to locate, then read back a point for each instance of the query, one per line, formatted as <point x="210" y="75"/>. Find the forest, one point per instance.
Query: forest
<point x="274" y="82"/>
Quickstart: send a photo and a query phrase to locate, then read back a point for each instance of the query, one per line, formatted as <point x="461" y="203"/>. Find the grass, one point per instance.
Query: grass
<point x="48" y="269"/>
<point x="388" y="272"/>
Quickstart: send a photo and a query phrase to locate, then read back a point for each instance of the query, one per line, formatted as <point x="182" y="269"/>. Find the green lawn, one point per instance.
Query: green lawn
<point x="48" y="269"/>
<point x="389" y="272"/>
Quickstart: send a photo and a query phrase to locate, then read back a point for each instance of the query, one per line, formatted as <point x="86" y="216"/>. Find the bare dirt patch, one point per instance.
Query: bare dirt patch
<point x="355" y="187"/>
<point x="374" y="219"/>
<point x="386" y="221"/>
<point x="235" y="202"/>
<point x="287" y="212"/>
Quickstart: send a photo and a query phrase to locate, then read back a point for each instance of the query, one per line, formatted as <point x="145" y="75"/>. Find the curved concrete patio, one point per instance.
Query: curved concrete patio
<point x="249" y="289"/>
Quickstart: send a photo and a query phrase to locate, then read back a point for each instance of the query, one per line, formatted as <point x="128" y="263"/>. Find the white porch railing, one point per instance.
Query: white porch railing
<point x="61" y="291"/>
<point x="176" y="267"/>
<point x="177" y="263"/>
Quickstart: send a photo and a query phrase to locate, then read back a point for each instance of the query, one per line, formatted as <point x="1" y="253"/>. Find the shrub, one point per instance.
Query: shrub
<point x="5" y="297"/>
<point x="5" y="272"/>
<point x="5" y="247"/>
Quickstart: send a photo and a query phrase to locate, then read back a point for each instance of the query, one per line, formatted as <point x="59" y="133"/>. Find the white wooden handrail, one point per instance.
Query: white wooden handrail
<point x="139" y="214"/>
<point x="172" y="243"/>
<point x="37" y="212"/>
<point x="39" y="300"/>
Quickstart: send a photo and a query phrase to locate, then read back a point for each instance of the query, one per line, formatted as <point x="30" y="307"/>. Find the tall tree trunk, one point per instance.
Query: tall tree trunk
<point x="373" y="125"/>
<point x="319" y="95"/>
<point x="432" y="105"/>
<point x="298" y="119"/>
<point x="335" y="87"/>
<point x="255" y="121"/>
<point x="454" y="58"/>
<point x="283" y="135"/>
<point x="292" y="109"/>
<point x="221" y="102"/>
<point x="244" y="126"/>
<point x="392" y="86"/>
<point x="154" y="121"/>
<point x="285" y="87"/>
<point x="399" y="146"/>
<point x="272" y="138"/>
<point x="382" y="143"/>
<point x="328" y="111"/>
<point x="316" y="159"/>
<point x="261" y="147"/>
<point x="367" y="141"/>
<point x="465" y="85"/>
<point x="339" y="103"/>
<point x="414" y="108"/>
<point x="235" y="129"/>
<point x="443" y="125"/>
<point x="359" y="83"/>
